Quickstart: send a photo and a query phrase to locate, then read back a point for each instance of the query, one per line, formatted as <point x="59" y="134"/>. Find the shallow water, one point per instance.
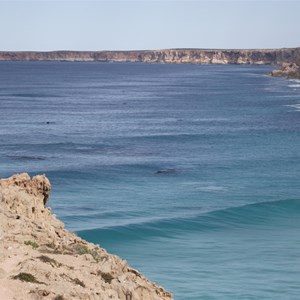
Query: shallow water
<point x="188" y="172"/>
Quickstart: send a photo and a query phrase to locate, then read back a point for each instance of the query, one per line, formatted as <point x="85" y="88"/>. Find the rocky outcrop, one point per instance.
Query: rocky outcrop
<point x="174" y="56"/>
<point x="39" y="259"/>
<point x="289" y="70"/>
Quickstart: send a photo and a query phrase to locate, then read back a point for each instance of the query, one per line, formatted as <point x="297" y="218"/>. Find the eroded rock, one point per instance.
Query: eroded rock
<point x="41" y="260"/>
<point x="290" y="70"/>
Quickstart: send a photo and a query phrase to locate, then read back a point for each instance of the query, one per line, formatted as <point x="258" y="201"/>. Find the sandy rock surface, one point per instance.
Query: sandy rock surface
<point x="39" y="259"/>
<point x="290" y="70"/>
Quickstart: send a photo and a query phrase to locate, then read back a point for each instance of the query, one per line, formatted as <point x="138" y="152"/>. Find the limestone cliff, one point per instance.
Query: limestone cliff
<point x="39" y="259"/>
<point x="174" y="56"/>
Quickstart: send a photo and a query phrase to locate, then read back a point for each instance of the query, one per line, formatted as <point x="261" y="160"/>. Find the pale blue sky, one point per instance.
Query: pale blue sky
<point x="124" y="25"/>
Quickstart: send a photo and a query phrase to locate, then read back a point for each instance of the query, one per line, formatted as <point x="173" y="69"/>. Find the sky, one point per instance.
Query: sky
<point x="138" y="25"/>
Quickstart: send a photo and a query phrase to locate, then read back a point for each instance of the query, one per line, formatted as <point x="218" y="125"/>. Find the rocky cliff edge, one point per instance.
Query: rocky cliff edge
<point x="170" y="56"/>
<point x="39" y="259"/>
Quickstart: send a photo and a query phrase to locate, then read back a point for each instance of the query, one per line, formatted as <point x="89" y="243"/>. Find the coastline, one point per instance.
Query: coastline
<point x="170" y="56"/>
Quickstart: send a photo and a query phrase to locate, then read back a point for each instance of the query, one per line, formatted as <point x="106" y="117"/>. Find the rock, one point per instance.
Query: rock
<point x="42" y="260"/>
<point x="42" y="185"/>
<point x="290" y="70"/>
<point x="2" y="273"/>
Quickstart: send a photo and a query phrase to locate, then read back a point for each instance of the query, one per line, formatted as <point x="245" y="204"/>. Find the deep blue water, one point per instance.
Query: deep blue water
<point x="189" y="172"/>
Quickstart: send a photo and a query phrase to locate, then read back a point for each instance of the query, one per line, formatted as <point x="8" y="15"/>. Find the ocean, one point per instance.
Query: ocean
<point x="189" y="172"/>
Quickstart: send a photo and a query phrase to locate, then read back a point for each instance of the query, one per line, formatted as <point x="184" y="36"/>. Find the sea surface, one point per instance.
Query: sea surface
<point x="189" y="172"/>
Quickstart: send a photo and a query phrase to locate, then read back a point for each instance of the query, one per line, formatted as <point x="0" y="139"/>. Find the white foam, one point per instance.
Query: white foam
<point x="295" y="80"/>
<point x="295" y="106"/>
<point x="211" y="188"/>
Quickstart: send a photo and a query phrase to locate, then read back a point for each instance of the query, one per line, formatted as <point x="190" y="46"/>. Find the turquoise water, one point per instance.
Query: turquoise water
<point x="189" y="172"/>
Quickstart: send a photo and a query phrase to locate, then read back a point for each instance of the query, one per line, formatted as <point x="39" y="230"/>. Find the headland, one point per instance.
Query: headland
<point x="40" y="259"/>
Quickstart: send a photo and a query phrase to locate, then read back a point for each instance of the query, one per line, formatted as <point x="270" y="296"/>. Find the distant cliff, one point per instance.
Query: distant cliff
<point x="174" y="56"/>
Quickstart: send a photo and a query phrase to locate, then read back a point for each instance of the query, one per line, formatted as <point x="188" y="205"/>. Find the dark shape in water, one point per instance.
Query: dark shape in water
<point x="25" y="157"/>
<point x="166" y="171"/>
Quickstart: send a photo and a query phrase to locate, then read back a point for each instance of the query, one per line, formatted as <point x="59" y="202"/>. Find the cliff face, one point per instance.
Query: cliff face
<point x="175" y="56"/>
<point x="39" y="259"/>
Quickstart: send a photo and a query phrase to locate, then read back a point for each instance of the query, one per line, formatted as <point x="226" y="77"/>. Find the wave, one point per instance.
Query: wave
<point x="294" y="80"/>
<point x="295" y="106"/>
<point x="172" y="136"/>
<point x="30" y="95"/>
<point x="25" y="157"/>
<point x="255" y="214"/>
<point x="65" y="147"/>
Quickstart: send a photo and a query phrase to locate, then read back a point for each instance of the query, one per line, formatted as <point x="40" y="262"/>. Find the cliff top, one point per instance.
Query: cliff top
<point x="153" y="50"/>
<point x="39" y="259"/>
